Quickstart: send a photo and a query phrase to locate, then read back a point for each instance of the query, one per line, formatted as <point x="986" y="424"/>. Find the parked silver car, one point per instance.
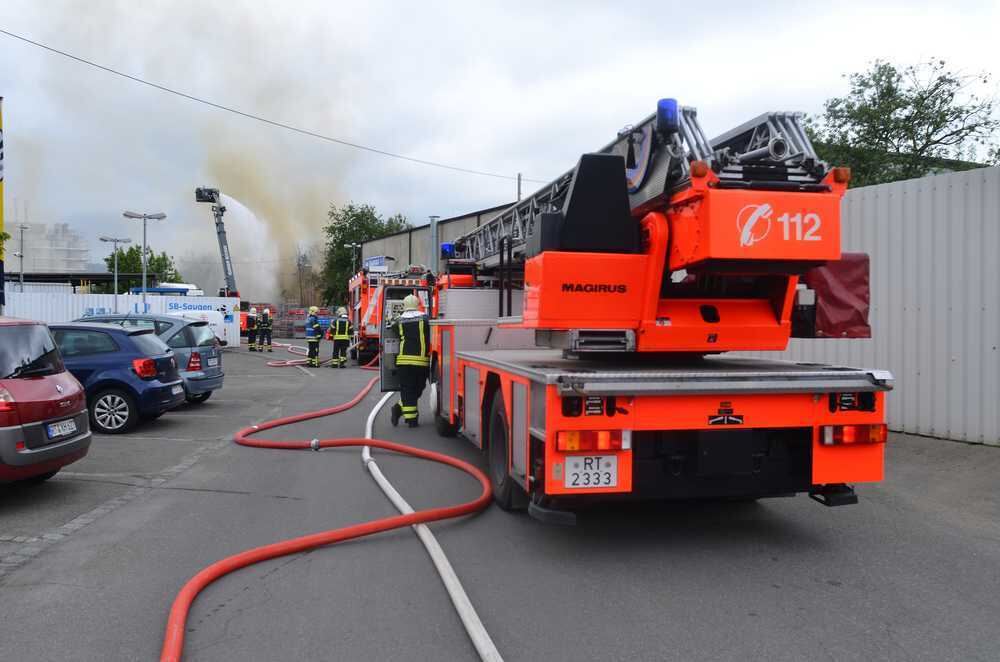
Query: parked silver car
<point x="197" y="350"/>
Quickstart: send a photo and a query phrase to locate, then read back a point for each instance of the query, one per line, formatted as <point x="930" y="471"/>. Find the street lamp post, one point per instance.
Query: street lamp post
<point x="20" y="255"/>
<point x="116" y="241"/>
<point x="355" y="254"/>
<point x="159" y="216"/>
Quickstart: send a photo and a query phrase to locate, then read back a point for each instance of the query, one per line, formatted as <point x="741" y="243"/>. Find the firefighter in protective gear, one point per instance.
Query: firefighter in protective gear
<point x="340" y="332"/>
<point x="413" y="360"/>
<point x="252" y="329"/>
<point x="264" y="326"/>
<point x="314" y="333"/>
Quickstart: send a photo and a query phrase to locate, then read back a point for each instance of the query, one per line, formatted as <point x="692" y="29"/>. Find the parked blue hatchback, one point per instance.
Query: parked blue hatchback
<point x="129" y="374"/>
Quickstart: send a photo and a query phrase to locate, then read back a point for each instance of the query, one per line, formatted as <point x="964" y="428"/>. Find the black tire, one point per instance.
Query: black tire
<point x="496" y="454"/>
<point x="117" y="408"/>
<point x="40" y="478"/>
<point x="198" y="398"/>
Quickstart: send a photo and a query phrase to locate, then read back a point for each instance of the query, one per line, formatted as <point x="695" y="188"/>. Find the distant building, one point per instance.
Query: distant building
<point x="48" y="248"/>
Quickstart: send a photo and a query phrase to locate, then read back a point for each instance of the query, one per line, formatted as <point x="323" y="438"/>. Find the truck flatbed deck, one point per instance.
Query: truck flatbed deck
<point x="622" y="375"/>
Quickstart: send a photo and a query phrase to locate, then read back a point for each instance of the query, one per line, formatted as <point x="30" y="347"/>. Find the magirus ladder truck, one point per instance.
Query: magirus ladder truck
<point x="583" y="338"/>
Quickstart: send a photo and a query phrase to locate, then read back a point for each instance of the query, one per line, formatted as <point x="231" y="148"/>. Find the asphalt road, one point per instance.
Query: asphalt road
<point x="90" y="562"/>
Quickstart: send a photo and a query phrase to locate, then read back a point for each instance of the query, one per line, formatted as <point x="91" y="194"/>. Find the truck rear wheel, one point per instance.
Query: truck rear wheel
<point x="496" y="453"/>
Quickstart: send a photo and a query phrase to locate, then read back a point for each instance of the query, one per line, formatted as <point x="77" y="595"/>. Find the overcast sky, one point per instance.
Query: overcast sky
<point x="504" y="87"/>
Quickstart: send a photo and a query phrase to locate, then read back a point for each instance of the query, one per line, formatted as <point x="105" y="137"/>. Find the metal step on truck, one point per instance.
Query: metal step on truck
<point x="582" y="338"/>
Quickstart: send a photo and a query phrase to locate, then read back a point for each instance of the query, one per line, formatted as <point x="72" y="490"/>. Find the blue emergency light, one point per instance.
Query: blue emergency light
<point x="447" y="250"/>
<point x="667" y="118"/>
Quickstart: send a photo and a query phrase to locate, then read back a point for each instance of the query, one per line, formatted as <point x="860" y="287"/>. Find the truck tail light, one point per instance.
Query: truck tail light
<point x="145" y="368"/>
<point x="194" y="363"/>
<point x="875" y="433"/>
<point x="589" y="440"/>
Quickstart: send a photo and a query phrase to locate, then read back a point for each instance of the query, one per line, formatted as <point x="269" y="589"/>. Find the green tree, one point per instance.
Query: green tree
<point x="4" y="238"/>
<point x="900" y="123"/>
<point x="130" y="261"/>
<point x="352" y="223"/>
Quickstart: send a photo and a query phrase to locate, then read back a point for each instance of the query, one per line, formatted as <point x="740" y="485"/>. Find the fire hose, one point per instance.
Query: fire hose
<point x="173" y="640"/>
<point x="299" y="350"/>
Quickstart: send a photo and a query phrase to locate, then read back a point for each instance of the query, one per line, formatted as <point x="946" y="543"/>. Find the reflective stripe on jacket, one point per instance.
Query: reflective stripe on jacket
<point x="342" y="329"/>
<point x="314" y="331"/>
<point x="414" y="341"/>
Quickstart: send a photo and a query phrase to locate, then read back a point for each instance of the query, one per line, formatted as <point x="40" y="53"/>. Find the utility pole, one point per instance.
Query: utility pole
<point x="116" y="241"/>
<point x="518" y="187"/>
<point x="159" y="216"/>
<point x="435" y="246"/>
<point x="20" y="255"/>
<point x="355" y="255"/>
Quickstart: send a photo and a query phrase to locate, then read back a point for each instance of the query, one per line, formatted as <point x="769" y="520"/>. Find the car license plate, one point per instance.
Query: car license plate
<point x="177" y="390"/>
<point x="584" y="471"/>
<point x="61" y="429"/>
<point x="211" y="363"/>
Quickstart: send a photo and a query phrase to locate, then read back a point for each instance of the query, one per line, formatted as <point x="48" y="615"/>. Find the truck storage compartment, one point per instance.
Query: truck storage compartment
<point x="682" y="464"/>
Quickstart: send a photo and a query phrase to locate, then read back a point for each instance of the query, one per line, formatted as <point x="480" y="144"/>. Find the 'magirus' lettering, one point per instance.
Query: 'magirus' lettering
<point x="595" y="288"/>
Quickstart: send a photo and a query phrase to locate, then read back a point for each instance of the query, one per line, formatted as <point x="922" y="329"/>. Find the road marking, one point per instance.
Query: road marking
<point x="305" y="371"/>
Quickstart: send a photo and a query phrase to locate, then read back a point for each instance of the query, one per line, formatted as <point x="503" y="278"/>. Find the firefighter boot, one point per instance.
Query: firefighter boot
<point x="413" y="422"/>
<point x="397" y="413"/>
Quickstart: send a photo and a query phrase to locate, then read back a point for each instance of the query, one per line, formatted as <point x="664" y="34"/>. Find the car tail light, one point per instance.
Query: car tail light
<point x="145" y="368"/>
<point x="875" y="433"/>
<point x="589" y="440"/>
<point x="194" y="363"/>
<point x="8" y="410"/>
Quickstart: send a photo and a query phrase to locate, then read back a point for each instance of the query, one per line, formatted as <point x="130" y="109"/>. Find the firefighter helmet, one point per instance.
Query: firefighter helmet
<point x="313" y="310"/>
<point x="253" y="311"/>
<point x="267" y="312"/>
<point x="342" y="311"/>
<point x="410" y="302"/>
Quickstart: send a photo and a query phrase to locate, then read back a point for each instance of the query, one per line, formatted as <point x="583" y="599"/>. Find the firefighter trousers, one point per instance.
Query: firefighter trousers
<point x="340" y="347"/>
<point x="252" y="339"/>
<point x="265" y="340"/>
<point x="313" y="345"/>
<point x="412" y="380"/>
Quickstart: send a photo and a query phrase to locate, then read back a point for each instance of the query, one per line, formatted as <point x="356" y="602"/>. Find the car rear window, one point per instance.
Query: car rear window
<point x="28" y="351"/>
<point x="202" y="334"/>
<point x="149" y="344"/>
<point x="84" y="342"/>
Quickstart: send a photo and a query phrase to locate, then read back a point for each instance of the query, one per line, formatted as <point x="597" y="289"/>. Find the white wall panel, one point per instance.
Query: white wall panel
<point x="935" y="254"/>
<point x="59" y="307"/>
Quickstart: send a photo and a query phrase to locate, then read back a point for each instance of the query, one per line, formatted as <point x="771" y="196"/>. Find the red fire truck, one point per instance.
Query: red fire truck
<point x="580" y="338"/>
<point x="367" y="303"/>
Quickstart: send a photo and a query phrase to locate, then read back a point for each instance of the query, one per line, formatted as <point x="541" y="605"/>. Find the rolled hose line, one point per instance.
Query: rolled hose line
<point x="173" y="639"/>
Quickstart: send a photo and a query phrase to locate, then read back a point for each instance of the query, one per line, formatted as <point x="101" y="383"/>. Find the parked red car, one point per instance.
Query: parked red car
<point x="43" y="409"/>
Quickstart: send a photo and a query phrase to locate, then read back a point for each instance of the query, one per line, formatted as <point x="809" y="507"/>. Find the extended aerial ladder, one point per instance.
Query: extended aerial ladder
<point x="581" y="335"/>
<point x="212" y="195"/>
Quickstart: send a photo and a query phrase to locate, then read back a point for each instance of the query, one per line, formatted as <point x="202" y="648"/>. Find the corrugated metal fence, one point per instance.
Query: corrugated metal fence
<point x="57" y="307"/>
<point x="935" y="254"/>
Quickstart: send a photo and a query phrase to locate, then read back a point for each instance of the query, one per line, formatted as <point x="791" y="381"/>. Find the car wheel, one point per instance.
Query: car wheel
<point x="113" y="412"/>
<point x="496" y="452"/>
<point x="197" y="398"/>
<point x="40" y="478"/>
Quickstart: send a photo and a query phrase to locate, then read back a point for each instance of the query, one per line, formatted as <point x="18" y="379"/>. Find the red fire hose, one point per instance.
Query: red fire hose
<point x="173" y="640"/>
<point x="301" y="351"/>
